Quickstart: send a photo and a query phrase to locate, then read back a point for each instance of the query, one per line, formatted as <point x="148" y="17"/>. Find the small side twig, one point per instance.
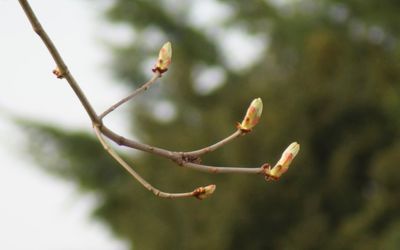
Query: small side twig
<point x="144" y="87"/>
<point x="223" y="170"/>
<point x="199" y="152"/>
<point x="186" y="159"/>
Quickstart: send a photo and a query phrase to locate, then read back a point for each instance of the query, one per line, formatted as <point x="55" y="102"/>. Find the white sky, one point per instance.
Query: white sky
<point x="38" y="211"/>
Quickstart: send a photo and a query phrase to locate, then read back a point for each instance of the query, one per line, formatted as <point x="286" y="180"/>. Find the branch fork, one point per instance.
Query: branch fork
<point x="191" y="159"/>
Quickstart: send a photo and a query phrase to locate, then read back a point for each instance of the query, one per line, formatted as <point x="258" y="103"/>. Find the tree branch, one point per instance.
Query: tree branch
<point x="144" y="87"/>
<point x="195" y="193"/>
<point x="62" y="67"/>
<point x="180" y="158"/>
<point x="197" y="153"/>
<point x="187" y="159"/>
<point x="135" y="175"/>
<point x="223" y="170"/>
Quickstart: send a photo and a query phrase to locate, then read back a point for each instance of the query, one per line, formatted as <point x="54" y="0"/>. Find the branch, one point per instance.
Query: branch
<point x="197" y="153"/>
<point x="180" y="158"/>
<point x="198" y="192"/>
<point x="62" y="69"/>
<point x="186" y="159"/>
<point x="144" y="87"/>
<point x="163" y="62"/>
<point x="224" y="170"/>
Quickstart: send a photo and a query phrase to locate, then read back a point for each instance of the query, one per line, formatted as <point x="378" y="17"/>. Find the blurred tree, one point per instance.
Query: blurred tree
<point x="328" y="72"/>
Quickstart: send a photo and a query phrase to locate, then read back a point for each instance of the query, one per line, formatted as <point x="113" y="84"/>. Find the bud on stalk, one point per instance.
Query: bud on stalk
<point x="252" y="116"/>
<point x="164" y="58"/>
<point x="284" y="162"/>
<point x="204" y="192"/>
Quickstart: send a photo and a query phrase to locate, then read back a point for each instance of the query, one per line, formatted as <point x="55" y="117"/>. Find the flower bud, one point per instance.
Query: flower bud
<point x="57" y="72"/>
<point x="204" y="192"/>
<point x="252" y="116"/>
<point x="164" y="58"/>
<point x="283" y="164"/>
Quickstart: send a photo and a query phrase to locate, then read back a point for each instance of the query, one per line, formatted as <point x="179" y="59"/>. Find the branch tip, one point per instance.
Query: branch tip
<point x="164" y="59"/>
<point x="57" y="72"/>
<point x="252" y="116"/>
<point x="202" y="193"/>
<point x="284" y="162"/>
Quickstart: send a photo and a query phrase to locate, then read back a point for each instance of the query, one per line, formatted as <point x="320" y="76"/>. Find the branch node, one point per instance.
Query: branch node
<point x="164" y="59"/>
<point x="190" y="158"/>
<point x="159" y="70"/>
<point x="60" y="74"/>
<point x="242" y="130"/>
<point x="267" y="173"/>
<point x="121" y="140"/>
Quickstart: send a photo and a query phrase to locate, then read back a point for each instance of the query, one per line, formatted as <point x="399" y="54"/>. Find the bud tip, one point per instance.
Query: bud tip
<point x="284" y="162"/>
<point x="164" y="58"/>
<point x="252" y="116"/>
<point x="204" y="192"/>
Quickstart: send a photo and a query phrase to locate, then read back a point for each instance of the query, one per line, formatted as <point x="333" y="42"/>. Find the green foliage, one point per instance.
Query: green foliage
<point x="329" y="80"/>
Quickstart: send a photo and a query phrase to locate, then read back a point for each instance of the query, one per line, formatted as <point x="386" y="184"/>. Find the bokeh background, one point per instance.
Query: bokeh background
<point x="328" y="73"/>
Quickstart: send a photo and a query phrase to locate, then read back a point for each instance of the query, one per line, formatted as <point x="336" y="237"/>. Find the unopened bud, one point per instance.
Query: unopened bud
<point x="204" y="192"/>
<point x="164" y="58"/>
<point x="252" y="116"/>
<point x="284" y="162"/>
<point x="57" y="72"/>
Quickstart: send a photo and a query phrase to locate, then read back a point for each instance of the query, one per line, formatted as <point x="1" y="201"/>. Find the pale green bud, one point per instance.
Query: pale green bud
<point x="284" y="162"/>
<point x="252" y="116"/>
<point x="164" y="58"/>
<point x="204" y="192"/>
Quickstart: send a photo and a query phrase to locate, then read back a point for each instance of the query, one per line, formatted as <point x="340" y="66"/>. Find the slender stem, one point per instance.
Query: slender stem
<point x="215" y="146"/>
<point x="37" y="27"/>
<point x="120" y="140"/>
<point x="135" y="175"/>
<point x="223" y="170"/>
<point x="144" y="87"/>
<point x="180" y="158"/>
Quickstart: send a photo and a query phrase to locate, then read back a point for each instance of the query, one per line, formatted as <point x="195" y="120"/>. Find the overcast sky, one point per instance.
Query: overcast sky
<point x="38" y="211"/>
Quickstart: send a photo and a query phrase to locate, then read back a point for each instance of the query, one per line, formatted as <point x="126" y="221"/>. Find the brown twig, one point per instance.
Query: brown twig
<point x="215" y="146"/>
<point x="186" y="159"/>
<point x="96" y="120"/>
<point x="134" y="174"/>
<point x="144" y="87"/>
<point x="120" y="140"/>
<point x="178" y="157"/>
<point x="61" y="66"/>
<point x="223" y="170"/>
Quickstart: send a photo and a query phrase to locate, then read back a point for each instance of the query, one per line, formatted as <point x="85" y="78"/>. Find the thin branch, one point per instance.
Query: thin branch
<point x="144" y="87"/>
<point x="122" y="141"/>
<point x="172" y="155"/>
<point x="223" y="170"/>
<point x="92" y="114"/>
<point x="135" y="175"/>
<point x="177" y="157"/>
<point x="197" y="153"/>
<point x="186" y="159"/>
<point x="62" y="67"/>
